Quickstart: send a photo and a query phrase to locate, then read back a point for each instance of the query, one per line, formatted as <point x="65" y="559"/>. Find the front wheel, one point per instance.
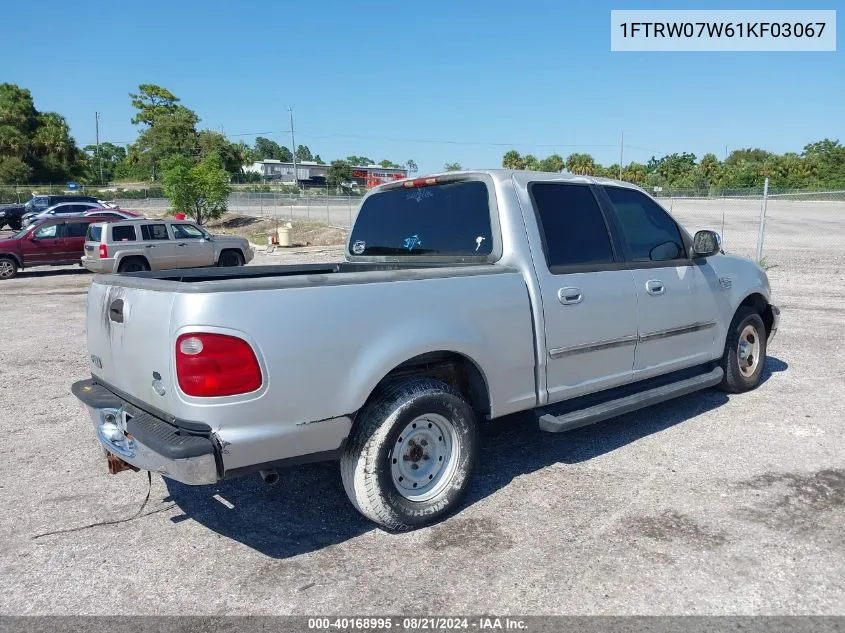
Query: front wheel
<point x="745" y="352"/>
<point x="410" y="454"/>
<point x="230" y="258"/>
<point x="8" y="268"/>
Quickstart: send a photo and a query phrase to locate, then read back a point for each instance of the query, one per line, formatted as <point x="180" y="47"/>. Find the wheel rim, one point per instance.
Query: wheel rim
<point x="748" y="351"/>
<point x="424" y="459"/>
<point x="7" y="269"/>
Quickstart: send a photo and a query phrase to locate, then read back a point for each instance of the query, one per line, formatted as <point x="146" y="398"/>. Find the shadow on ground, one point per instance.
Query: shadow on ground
<point x="308" y="509"/>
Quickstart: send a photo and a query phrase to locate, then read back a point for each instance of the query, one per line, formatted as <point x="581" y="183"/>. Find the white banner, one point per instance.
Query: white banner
<point x="722" y="30"/>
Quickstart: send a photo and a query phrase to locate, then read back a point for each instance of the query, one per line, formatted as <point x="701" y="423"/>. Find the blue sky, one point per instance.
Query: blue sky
<point x="434" y="81"/>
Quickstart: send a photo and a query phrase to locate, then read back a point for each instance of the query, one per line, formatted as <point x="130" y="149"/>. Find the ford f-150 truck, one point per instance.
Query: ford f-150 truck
<point x="463" y="297"/>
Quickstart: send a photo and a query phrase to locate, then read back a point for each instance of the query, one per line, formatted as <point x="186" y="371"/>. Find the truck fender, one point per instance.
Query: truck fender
<point x="403" y="343"/>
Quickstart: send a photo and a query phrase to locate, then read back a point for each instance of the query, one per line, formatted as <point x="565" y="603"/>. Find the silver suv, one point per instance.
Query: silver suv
<point x="137" y="245"/>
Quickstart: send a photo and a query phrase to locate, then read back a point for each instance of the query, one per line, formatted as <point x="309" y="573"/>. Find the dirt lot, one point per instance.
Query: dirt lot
<point x="711" y="504"/>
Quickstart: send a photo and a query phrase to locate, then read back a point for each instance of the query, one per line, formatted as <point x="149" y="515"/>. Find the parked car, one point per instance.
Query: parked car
<point x="463" y="297"/>
<point x="52" y="242"/>
<point x="114" y="213"/>
<point x="137" y="245"/>
<point x="12" y="215"/>
<point x="61" y="209"/>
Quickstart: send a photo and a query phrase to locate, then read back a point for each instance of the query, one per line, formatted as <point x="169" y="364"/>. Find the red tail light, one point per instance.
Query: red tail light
<point x="104" y="252"/>
<point x="209" y="365"/>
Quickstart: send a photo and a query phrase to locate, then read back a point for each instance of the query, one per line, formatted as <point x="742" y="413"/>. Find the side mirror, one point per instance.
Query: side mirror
<point x="706" y="243"/>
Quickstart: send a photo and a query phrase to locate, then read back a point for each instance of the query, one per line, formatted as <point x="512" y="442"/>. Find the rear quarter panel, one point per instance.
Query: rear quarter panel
<point x="323" y="349"/>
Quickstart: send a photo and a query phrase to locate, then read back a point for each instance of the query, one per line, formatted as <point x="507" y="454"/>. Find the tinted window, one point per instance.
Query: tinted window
<point x="650" y="232"/>
<point x="154" y="232"/>
<point x="123" y="234"/>
<point x="46" y="232"/>
<point x="69" y="208"/>
<point x="95" y="233"/>
<point x="76" y="229"/>
<point x="186" y="232"/>
<point x="447" y="219"/>
<point x="572" y="225"/>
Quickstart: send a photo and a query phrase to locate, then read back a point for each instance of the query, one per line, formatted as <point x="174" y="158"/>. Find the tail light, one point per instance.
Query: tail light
<point x="209" y="365"/>
<point x="104" y="251"/>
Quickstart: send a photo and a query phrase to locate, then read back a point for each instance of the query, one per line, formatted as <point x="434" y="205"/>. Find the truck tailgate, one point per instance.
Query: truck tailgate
<point x="130" y="342"/>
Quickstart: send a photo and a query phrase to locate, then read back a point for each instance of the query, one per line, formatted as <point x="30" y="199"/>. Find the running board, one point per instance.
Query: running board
<point x="612" y="408"/>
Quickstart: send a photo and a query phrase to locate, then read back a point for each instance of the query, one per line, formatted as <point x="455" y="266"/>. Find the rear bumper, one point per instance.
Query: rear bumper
<point x="145" y="441"/>
<point x="97" y="265"/>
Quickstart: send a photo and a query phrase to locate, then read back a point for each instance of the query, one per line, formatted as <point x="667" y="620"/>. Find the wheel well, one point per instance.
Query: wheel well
<point x="230" y="250"/>
<point x="14" y="258"/>
<point x="759" y="304"/>
<point x="456" y="370"/>
<point x="128" y="258"/>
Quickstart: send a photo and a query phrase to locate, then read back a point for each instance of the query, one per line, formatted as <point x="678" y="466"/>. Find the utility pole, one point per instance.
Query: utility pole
<point x="293" y="148"/>
<point x="621" y="150"/>
<point x="97" y="132"/>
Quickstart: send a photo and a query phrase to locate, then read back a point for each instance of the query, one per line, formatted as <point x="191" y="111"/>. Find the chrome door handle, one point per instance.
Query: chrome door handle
<point x="655" y="287"/>
<point x="569" y="296"/>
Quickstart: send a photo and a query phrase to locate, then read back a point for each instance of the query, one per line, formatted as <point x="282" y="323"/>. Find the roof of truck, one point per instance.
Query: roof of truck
<point x="523" y="176"/>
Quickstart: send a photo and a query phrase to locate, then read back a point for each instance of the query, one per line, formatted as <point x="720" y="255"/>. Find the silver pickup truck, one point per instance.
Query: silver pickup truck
<point x="463" y="297"/>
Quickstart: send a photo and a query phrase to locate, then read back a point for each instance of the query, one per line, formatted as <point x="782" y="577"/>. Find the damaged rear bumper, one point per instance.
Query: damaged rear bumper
<point x="145" y="441"/>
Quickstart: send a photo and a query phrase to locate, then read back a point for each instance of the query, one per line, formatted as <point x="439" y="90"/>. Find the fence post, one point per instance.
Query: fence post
<point x="762" y="233"/>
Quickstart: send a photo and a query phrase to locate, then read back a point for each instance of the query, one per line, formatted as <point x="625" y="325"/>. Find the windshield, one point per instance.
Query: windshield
<point x="451" y="219"/>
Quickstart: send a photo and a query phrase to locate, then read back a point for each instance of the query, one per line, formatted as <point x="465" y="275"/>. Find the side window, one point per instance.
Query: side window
<point x="76" y="229"/>
<point x="123" y="234"/>
<point x="154" y="232"/>
<point x="572" y="225"/>
<point x="47" y="232"/>
<point x="68" y="208"/>
<point x="186" y="232"/>
<point x="650" y="232"/>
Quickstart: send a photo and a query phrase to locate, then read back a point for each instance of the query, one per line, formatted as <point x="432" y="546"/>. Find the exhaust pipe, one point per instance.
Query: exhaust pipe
<point x="269" y="476"/>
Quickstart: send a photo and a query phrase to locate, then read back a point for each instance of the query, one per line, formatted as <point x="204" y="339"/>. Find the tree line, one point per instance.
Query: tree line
<point x="36" y="147"/>
<point x="820" y="165"/>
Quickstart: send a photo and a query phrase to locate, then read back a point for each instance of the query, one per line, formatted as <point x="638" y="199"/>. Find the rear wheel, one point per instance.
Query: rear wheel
<point x="410" y="454"/>
<point x="230" y="258"/>
<point x="745" y="352"/>
<point x="8" y="268"/>
<point x="133" y="265"/>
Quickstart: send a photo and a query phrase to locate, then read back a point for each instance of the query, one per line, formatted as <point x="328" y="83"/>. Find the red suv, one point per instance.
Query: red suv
<point x="49" y="243"/>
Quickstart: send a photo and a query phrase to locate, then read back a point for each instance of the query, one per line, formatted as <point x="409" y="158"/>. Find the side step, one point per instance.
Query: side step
<point x="612" y="408"/>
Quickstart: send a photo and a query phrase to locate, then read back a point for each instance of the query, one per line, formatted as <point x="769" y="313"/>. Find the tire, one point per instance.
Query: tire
<point x="230" y="258"/>
<point x="8" y="268"/>
<point x="413" y="420"/>
<point x="745" y="352"/>
<point x="133" y="265"/>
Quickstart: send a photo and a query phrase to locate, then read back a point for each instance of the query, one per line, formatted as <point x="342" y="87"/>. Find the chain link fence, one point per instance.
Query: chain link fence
<point x="754" y="223"/>
<point x="759" y="224"/>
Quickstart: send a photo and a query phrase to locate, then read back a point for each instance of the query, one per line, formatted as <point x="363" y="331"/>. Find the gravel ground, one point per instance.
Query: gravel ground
<point x="712" y="504"/>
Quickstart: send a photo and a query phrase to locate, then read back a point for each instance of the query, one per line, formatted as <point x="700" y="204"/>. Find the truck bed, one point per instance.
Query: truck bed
<point x="293" y="275"/>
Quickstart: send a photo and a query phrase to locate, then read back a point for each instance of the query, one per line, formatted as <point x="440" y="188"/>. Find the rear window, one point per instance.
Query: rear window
<point x="450" y="219"/>
<point x="154" y="232"/>
<point x="123" y="234"/>
<point x="95" y="233"/>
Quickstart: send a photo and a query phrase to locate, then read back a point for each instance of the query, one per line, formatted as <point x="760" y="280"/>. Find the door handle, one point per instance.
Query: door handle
<point x="150" y="246"/>
<point x="655" y="287"/>
<point x="182" y="244"/>
<point x="569" y="296"/>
